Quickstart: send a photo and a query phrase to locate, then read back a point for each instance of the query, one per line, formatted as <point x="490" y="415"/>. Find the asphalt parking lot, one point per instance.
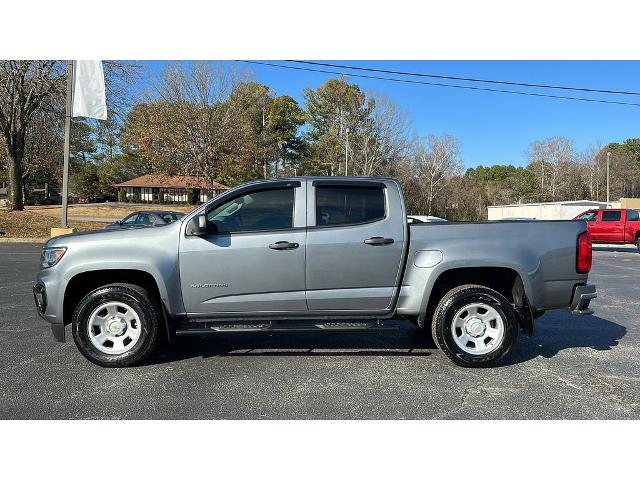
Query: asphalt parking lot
<point x="573" y="368"/>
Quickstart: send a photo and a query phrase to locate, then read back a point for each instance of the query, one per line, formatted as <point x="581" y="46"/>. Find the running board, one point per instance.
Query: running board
<point x="283" y="327"/>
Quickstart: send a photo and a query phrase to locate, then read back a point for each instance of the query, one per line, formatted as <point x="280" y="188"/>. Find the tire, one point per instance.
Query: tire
<point x="638" y="243"/>
<point x="117" y="325"/>
<point x="474" y="326"/>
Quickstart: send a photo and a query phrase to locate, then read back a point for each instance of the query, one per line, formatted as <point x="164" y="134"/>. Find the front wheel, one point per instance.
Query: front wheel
<point x="117" y="325"/>
<point x="475" y="326"/>
<point x="638" y="243"/>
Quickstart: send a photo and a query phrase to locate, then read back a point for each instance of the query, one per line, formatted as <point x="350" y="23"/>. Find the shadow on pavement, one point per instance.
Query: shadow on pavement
<point x="554" y="332"/>
<point x="406" y="342"/>
<point x="559" y="330"/>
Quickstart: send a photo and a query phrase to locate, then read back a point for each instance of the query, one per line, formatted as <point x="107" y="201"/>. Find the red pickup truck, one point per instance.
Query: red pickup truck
<point x="613" y="225"/>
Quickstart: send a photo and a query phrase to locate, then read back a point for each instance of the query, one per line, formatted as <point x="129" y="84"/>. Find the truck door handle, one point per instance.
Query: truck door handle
<point x="378" y="241"/>
<point x="283" y="245"/>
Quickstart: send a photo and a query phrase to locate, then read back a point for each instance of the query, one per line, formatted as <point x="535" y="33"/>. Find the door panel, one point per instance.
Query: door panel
<point x="240" y="273"/>
<point x="253" y="260"/>
<point x="343" y="272"/>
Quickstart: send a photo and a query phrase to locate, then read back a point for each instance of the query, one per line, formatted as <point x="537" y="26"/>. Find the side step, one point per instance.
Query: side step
<point x="283" y="327"/>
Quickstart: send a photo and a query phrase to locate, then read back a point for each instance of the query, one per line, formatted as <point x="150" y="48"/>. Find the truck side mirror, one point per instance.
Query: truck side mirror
<point x="199" y="225"/>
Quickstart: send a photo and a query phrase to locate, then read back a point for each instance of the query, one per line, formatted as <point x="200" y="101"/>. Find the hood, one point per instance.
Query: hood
<point x="143" y="234"/>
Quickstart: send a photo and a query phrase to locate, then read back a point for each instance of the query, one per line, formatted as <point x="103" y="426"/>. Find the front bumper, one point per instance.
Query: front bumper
<point x="582" y="296"/>
<point x="40" y="298"/>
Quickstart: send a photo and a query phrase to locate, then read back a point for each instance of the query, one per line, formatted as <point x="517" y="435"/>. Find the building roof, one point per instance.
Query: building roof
<point x="165" y="181"/>
<point x="585" y="203"/>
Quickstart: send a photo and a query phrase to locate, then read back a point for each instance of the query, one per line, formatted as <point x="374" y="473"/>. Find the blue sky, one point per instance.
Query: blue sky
<point x="493" y="128"/>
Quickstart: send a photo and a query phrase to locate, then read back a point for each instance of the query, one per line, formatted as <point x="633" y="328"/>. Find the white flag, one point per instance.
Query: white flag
<point x="89" y="97"/>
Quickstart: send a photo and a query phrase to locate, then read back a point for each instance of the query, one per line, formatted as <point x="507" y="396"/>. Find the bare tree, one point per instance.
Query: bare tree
<point x="32" y="94"/>
<point x="550" y="156"/>
<point x="381" y="140"/>
<point x="435" y="160"/>
<point x="25" y="87"/>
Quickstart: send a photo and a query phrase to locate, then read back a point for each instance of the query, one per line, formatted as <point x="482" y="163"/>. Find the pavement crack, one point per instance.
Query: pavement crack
<point x="474" y="389"/>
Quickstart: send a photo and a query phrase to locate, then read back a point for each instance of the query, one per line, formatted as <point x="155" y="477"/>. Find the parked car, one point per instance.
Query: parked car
<point x="311" y="253"/>
<point x="147" y="218"/>
<point x="613" y="225"/>
<point x="424" y="219"/>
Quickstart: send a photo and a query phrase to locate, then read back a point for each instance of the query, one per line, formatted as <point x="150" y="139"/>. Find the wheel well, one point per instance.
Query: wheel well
<point x="85" y="282"/>
<point x="504" y="280"/>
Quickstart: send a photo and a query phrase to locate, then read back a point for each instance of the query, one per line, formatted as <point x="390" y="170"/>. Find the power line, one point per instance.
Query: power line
<point x="437" y="84"/>
<point x="467" y="79"/>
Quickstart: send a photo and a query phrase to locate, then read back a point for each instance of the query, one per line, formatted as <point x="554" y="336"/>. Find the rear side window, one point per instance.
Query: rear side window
<point x="349" y="205"/>
<point x="169" y="217"/>
<point x="633" y="216"/>
<point x="611" y="216"/>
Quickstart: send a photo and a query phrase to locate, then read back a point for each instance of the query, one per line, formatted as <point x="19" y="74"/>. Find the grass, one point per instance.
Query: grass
<point x="33" y="224"/>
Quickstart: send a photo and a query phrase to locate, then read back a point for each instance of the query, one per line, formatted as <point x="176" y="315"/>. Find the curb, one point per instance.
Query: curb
<point x="23" y="240"/>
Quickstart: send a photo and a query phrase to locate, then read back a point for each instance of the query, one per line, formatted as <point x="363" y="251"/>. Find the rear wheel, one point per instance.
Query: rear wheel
<point x="475" y="326"/>
<point x="638" y="243"/>
<point x="118" y="325"/>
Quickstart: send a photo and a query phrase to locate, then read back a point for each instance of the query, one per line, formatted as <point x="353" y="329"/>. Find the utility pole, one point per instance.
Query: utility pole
<point x="346" y="155"/>
<point x="608" y="157"/>
<point x="67" y="140"/>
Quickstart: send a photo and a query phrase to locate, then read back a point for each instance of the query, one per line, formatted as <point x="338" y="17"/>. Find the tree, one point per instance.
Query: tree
<point x="332" y="108"/>
<point x="382" y="139"/>
<point x="84" y="182"/>
<point x="25" y="87"/>
<point x="284" y="119"/>
<point x="548" y="158"/>
<point x="435" y="160"/>
<point x="506" y="184"/>
<point x="32" y="105"/>
<point x="194" y="127"/>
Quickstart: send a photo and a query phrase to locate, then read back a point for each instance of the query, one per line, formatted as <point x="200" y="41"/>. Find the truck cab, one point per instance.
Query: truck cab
<point x="613" y="225"/>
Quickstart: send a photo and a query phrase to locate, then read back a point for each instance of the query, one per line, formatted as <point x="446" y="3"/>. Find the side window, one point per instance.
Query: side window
<point x="130" y="220"/>
<point x="633" y="216"/>
<point x="349" y="205"/>
<point x="611" y="216"/>
<point x="589" y="216"/>
<point x="144" y="219"/>
<point x="169" y="217"/>
<point x="261" y="210"/>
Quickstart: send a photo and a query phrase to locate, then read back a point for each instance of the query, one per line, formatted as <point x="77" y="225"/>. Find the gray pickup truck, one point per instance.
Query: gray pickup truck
<point x="321" y="253"/>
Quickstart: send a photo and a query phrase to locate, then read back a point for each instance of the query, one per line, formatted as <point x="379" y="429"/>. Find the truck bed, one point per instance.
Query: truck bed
<point x="543" y="253"/>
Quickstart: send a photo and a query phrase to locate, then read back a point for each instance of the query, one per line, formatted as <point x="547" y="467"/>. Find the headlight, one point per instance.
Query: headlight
<point x="51" y="256"/>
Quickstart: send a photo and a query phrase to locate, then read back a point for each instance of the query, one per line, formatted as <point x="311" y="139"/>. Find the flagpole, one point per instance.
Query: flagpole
<point x="67" y="140"/>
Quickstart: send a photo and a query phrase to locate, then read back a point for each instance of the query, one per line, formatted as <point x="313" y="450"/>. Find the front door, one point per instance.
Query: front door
<point x="253" y="259"/>
<point x="354" y="245"/>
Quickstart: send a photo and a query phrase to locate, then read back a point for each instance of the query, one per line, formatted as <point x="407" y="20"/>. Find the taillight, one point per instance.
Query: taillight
<point x="583" y="260"/>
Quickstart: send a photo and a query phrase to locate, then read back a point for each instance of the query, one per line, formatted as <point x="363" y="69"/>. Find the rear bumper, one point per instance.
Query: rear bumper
<point x="582" y="296"/>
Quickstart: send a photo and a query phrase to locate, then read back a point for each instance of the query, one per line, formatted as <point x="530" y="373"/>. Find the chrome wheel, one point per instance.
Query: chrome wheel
<point x="478" y="328"/>
<point x="114" y="328"/>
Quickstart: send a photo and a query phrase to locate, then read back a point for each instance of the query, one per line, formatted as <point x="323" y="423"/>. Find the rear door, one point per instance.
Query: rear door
<point x="355" y="244"/>
<point x="253" y="259"/>
<point x="612" y="226"/>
